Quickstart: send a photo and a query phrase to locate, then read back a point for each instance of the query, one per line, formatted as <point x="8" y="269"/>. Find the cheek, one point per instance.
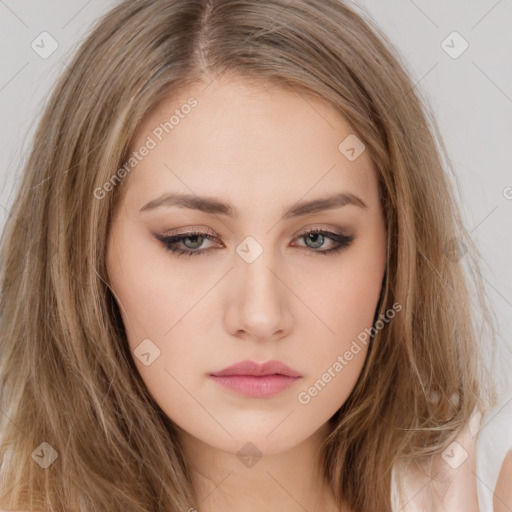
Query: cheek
<point x="149" y="292"/>
<point x="152" y="306"/>
<point x="355" y="294"/>
<point x="346" y="296"/>
<point x="346" y="304"/>
<point x="323" y="395"/>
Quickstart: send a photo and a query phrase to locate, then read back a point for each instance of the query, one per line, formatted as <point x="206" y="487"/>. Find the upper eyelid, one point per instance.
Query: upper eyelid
<point x="192" y="231"/>
<point x="189" y="231"/>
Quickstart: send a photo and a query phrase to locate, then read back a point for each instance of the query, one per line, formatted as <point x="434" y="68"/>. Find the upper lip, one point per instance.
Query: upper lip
<point x="247" y="367"/>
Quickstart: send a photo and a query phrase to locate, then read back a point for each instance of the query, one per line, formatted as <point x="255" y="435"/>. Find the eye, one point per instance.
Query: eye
<point x="314" y="238"/>
<point x="192" y="242"/>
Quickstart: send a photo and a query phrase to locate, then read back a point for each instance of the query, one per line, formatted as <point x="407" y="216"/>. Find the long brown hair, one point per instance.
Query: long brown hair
<point x="68" y="384"/>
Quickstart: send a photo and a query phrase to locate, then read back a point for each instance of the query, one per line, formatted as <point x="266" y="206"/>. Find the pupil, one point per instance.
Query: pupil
<point x="194" y="244"/>
<point x="316" y="235"/>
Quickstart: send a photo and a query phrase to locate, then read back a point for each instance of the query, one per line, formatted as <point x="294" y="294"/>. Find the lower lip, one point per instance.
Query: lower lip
<point x="260" y="387"/>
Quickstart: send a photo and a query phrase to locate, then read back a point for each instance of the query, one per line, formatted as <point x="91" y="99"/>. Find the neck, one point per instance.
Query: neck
<point x="247" y="480"/>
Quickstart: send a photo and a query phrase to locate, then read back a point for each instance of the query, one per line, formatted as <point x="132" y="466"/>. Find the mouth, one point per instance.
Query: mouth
<point x="256" y="386"/>
<point x="259" y="380"/>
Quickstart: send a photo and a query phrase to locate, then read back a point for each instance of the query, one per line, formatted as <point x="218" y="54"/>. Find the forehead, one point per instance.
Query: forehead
<point x="243" y="139"/>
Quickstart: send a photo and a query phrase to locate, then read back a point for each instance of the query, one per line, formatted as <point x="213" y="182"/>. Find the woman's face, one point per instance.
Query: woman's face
<point x="253" y="167"/>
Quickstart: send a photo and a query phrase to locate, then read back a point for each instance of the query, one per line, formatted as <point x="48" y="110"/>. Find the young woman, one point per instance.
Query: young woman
<point x="234" y="275"/>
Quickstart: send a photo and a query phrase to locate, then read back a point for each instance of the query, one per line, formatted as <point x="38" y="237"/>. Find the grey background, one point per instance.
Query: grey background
<point x="471" y="96"/>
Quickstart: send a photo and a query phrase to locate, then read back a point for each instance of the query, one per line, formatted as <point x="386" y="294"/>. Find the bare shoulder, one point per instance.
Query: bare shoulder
<point x="502" y="500"/>
<point x="447" y="482"/>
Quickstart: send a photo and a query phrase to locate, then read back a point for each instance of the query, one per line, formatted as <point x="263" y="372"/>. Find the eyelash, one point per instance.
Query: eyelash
<point x="343" y="242"/>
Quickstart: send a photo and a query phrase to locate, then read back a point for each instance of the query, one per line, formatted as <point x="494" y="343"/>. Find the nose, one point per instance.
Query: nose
<point x="259" y="300"/>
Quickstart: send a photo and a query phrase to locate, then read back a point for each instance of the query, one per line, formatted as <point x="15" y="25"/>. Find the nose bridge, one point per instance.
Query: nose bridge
<point x="259" y="283"/>
<point x="258" y="294"/>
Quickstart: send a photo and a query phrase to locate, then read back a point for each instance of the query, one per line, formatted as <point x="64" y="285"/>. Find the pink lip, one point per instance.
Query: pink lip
<point x="248" y="367"/>
<point x="256" y="379"/>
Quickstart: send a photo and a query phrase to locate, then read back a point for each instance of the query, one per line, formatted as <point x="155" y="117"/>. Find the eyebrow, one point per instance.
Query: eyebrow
<point x="214" y="206"/>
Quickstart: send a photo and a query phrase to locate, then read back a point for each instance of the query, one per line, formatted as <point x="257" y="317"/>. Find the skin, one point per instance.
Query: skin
<point x="262" y="150"/>
<point x="452" y="484"/>
<point x="502" y="500"/>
